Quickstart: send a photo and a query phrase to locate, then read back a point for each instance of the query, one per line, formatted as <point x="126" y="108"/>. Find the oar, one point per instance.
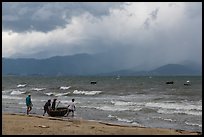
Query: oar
<point x="57" y="104"/>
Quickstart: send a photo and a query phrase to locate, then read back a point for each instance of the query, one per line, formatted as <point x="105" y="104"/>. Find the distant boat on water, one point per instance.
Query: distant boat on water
<point x="169" y="82"/>
<point x="93" y="82"/>
<point x="187" y="83"/>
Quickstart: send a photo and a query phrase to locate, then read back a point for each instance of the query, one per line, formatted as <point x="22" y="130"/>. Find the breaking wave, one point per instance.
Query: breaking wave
<point x="179" y="108"/>
<point x="193" y="124"/>
<point x="38" y="89"/>
<point x="17" y="92"/>
<point x="11" y="97"/>
<point x="86" y="92"/>
<point x="65" y="88"/>
<point x="63" y="94"/>
<point x="57" y="94"/>
<point x="21" y="85"/>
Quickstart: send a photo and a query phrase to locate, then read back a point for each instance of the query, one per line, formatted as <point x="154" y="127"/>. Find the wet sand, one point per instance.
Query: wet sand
<point x="21" y="124"/>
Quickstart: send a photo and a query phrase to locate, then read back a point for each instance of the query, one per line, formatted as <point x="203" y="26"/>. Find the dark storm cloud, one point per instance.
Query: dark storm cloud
<point x="144" y="35"/>
<point x="45" y="16"/>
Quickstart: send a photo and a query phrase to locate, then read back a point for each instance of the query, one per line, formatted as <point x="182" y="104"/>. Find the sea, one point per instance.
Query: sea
<point x="145" y="101"/>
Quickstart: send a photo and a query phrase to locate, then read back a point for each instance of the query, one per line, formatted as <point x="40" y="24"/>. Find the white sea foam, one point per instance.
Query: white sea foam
<point x="129" y="105"/>
<point x="38" y="89"/>
<point x="50" y="94"/>
<point x="22" y="103"/>
<point x="57" y="94"/>
<point x="62" y="94"/>
<point x="193" y="124"/>
<point x="10" y="97"/>
<point x="43" y="100"/>
<point x="21" y="85"/>
<point x="180" y="108"/>
<point x="111" y="116"/>
<point x="189" y="112"/>
<point x="168" y="119"/>
<point x="65" y="101"/>
<point x="177" y="106"/>
<point x="86" y="92"/>
<point x="136" y="124"/>
<point x="65" y="88"/>
<point x="112" y="108"/>
<point x="6" y="91"/>
<point x="17" y="92"/>
<point x="124" y="120"/>
<point x="136" y="108"/>
<point x="122" y="103"/>
<point x="121" y="119"/>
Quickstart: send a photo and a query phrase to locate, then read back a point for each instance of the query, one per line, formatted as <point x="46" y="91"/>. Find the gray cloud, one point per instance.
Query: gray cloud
<point x="45" y="16"/>
<point x="152" y="17"/>
<point x="142" y="35"/>
<point x="154" y="13"/>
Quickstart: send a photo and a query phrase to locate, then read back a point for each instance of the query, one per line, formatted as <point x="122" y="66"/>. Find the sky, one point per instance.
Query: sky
<point x="140" y="34"/>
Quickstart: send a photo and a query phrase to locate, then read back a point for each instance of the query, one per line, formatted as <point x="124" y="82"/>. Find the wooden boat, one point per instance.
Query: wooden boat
<point x="93" y="82"/>
<point x="58" y="112"/>
<point x="169" y="82"/>
<point x="187" y="83"/>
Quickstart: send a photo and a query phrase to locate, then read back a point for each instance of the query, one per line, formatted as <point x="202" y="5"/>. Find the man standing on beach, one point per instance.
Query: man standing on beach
<point x="54" y="103"/>
<point x="29" y="103"/>
<point x="71" y="107"/>
<point x="47" y="106"/>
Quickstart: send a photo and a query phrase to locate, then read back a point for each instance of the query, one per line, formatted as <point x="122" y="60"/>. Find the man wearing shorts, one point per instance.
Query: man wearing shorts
<point x="47" y="106"/>
<point x="29" y="103"/>
<point x="71" y="108"/>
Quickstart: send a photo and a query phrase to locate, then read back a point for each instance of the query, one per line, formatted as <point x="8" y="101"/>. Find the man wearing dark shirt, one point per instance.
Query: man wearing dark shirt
<point x="53" y="104"/>
<point x="47" y="106"/>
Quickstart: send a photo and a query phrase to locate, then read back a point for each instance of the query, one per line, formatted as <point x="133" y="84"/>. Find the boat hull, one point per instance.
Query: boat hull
<point x="59" y="112"/>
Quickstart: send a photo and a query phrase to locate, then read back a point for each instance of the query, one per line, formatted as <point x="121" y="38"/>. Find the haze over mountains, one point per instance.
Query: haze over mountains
<point x="85" y="64"/>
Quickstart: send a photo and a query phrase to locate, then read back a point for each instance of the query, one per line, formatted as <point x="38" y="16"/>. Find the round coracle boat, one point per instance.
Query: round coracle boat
<point x="58" y="112"/>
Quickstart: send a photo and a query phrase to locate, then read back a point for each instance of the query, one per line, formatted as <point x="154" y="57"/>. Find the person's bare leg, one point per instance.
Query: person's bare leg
<point x="44" y="112"/>
<point x="67" y="113"/>
<point x="29" y="109"/>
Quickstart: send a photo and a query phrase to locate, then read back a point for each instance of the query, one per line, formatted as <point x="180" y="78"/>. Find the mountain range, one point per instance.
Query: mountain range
<point x="85" y="64"/>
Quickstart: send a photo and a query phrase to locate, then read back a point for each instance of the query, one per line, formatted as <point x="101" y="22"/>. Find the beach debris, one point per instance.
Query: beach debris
<point x="43" y="126"/>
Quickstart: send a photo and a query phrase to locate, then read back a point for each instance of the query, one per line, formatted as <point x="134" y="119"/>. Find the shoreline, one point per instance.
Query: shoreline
<point x="22" y="124"/>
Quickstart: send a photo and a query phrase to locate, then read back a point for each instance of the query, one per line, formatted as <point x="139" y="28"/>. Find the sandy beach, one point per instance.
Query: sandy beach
<point x="21" y="124"/>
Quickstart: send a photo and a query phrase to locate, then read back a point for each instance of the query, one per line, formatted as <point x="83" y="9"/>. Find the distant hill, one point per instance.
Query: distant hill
<point x="85" y="64"/>
<point x="165" y="70"/>
<point x="80" y="64"/>
<point x="176" y="69"/>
